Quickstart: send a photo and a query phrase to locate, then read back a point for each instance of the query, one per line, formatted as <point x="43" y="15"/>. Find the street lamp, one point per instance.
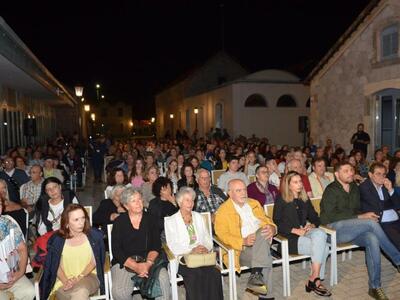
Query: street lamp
<point x="97" y="91"/>
<point x="93" y="117"/>
<point x="102" y="96"/>
<point x="153" y="120"/>
<point x="87" y="107"/>
<point x="83" y="99"/>
<point x="171" y="116"/>
<point x="79" y="90"/>
<point x="131" y="123"/>
<point x="196" y="111"/>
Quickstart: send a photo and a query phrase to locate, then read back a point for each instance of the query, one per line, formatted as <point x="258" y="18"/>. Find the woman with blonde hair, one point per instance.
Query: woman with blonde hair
<point x="297" y="221"/>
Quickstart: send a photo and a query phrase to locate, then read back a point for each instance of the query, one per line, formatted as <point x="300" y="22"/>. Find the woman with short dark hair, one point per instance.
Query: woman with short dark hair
<point x="74" y="263"/>
<point x="52" y="202"/>
<point x="164" y="203"/>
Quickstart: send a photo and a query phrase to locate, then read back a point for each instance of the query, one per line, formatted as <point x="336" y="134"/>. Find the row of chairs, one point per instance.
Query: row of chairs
<point x="285" y="259"/>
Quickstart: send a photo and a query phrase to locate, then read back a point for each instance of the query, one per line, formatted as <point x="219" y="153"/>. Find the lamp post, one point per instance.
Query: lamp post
<point x="196" y="111"/>
<point x="79" y="94"/>
<point x="171" y="116"/>
<point x="98" y="91"/>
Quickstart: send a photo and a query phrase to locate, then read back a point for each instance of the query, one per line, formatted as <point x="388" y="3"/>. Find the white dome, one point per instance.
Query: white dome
<point x="273" y="75"/>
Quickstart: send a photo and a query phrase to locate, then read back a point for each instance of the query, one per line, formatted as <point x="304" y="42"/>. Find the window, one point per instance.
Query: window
<point x="390" y="42"/>
<point x="120" y="112"/>
<point x="286" y="101"/>
<point x="255" y="100"/>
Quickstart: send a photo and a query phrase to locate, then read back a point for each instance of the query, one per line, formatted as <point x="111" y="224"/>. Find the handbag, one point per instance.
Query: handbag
<point x="199" y="260"/>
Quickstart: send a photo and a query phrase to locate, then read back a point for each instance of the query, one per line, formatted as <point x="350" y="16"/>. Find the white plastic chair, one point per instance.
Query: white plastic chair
<point x="268" y="208"/>
<point x="174" y="262"/>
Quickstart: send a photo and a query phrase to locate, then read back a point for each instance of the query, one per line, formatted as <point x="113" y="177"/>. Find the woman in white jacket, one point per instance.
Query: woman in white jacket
<point x="186" y="232"/>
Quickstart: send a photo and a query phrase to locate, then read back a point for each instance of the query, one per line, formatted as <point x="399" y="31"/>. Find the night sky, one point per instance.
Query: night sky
<point x="135" y="48"/>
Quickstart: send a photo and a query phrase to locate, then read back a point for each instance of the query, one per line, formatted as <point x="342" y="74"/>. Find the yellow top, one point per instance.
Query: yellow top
<point x="224" y="165"/>
<point x="74" y="260"/>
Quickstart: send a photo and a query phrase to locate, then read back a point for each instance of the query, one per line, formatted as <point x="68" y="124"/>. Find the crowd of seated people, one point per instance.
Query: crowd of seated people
<point x="156" y="188"/>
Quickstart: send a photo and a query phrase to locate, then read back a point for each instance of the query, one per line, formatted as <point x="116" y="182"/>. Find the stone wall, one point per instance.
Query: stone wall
<point x="339" y="92"/>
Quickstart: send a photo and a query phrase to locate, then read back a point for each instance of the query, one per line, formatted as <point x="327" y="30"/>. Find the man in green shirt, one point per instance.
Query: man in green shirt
<point x="340" y="207"/>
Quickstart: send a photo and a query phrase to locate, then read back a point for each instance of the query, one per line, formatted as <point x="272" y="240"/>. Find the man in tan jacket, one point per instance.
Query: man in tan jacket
<point x="241" y="224"/>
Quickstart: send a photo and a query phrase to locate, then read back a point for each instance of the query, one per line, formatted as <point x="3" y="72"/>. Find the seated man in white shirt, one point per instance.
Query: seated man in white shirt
<point x="240" y="223"/>
<point x="232" y="173"/>
<point x="377" y="195"/>
<point x="319" y="178"/>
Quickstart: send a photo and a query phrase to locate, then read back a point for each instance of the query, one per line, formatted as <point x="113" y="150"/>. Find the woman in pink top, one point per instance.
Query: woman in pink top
<point x="137" y="173"/>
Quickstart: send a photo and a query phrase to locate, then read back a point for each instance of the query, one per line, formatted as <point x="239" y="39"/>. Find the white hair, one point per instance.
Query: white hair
<point x="185" y="190"/>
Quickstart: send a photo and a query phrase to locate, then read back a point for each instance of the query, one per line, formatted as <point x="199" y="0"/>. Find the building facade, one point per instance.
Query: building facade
<point x="28" y="91"/>
<point x="268" y="103"/>
<point x="358" y="81"/>
<point x="113" y="119"/>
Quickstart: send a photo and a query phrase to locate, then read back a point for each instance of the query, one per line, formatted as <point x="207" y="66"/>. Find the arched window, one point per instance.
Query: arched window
<point x="286" y="101"/>
<point x="255" y="100"/>
<point x="308" y="102"/>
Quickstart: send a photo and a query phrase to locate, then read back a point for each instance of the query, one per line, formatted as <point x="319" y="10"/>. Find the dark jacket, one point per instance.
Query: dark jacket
<point x="14" y="183"/>
<point x="183" y="182"/>
<point x="55" y="247"/>
<point x="337" y="204"/>
<point x="370" y="200"/>
<point x="289" y="215"/>
<point x="101" y="217"/>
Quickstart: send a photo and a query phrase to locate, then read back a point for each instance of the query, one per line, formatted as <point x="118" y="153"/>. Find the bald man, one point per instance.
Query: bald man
<point x="240" y="223"/>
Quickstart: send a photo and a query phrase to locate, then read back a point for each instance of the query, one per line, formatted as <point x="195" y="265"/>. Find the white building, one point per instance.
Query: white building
<point x="268" y="103"/>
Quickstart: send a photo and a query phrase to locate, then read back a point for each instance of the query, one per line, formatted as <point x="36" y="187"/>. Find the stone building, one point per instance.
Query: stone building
<point x="358" y="80"/>
<point x="267" y="103"/>
<point x="28" y="91"/>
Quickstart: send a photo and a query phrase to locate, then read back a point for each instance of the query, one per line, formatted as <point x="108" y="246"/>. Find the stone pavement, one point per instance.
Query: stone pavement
<point x="352" y="274"/>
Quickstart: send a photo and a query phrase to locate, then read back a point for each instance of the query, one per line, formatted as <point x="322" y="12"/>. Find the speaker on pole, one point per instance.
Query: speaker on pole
<point x="30" y="127"/>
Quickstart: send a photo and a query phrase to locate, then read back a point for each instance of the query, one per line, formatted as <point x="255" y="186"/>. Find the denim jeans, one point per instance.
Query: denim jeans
<point x="314" y="243"/>
<point x="368" y="234"/>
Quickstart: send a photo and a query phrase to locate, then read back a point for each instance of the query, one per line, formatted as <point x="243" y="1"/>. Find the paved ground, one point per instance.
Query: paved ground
<point x="352" y="274"/>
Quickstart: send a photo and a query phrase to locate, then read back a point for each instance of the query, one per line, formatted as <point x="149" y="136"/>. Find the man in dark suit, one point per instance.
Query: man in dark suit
<point x="14" y="178"/>
<point x="378" y="196"/>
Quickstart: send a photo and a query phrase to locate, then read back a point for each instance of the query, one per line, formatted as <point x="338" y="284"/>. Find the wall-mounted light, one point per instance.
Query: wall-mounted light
<point x="87" y="107"/>
<point x="196" y="110"/>
<point x="153" y="120"/>
<point x="93" y="117"/>
<point x="79" y="91"/>
<point x="171" y="116"/>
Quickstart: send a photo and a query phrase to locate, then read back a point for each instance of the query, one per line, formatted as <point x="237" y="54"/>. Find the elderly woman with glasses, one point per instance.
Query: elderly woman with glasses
<point x="136" y="245"/>
<point x="187" y="232"/>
